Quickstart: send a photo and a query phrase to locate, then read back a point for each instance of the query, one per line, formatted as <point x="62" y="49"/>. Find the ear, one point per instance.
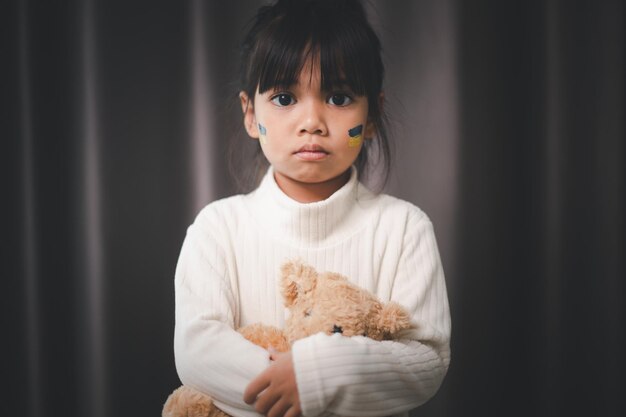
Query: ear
<point x="370" y="130"/>
<point x="391" y="319"/>
<point x="249" y="116"/>
<point x="296" y="279"/>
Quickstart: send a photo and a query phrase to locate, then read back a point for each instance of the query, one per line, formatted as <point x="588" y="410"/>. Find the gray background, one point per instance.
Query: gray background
<point x="508" y="119"/>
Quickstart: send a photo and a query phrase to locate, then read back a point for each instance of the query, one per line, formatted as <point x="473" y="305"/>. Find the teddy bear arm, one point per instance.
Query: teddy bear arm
<point x="188" y="402"/>
<point x="266" y="336"/>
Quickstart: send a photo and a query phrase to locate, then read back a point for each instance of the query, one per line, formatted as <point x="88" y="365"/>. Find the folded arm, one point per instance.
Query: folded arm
<point x="210" y="355"/>
<point x="358" y="376"/>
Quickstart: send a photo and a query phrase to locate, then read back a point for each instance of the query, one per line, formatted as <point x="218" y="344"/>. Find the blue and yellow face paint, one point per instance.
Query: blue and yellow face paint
<point x="262" y="134"/>
<point x="356" y="136"/>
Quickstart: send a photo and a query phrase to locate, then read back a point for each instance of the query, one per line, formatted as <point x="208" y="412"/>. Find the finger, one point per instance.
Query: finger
<point x="294" y="411"/>
<point x="279" y="408"/>
<point x="255" y="387"/>
<point x="266" y="401"/>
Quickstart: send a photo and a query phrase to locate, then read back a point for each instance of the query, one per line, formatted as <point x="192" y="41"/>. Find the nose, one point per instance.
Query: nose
<point x="312" y="119"/>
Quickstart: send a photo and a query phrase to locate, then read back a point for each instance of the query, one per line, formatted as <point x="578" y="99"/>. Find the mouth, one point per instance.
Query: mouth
<point x="311" y="152"/>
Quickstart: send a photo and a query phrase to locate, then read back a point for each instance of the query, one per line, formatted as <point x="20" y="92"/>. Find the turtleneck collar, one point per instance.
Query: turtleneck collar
<point x="318" y="223"/>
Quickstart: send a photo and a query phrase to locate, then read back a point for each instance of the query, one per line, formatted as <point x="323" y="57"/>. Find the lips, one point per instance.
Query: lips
<point x="312" y="147"/>
<point x="311" y="152"/>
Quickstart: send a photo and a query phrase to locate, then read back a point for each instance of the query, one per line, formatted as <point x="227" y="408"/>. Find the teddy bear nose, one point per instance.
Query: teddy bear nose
<point x="337" y="329"/>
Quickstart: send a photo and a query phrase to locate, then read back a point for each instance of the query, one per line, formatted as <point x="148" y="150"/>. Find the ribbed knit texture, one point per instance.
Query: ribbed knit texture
<point x="227" y="277"/>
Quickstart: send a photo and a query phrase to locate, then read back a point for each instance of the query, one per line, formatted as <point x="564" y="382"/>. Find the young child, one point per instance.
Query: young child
<point x="311" y="94"/>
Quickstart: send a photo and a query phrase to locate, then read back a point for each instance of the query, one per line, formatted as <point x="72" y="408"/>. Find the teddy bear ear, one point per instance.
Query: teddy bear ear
<point x="297" y="279"/>
<point x="391" y="319"/>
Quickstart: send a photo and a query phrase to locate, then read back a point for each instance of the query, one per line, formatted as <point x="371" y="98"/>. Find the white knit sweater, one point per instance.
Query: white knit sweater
<point x="227" y="277"/>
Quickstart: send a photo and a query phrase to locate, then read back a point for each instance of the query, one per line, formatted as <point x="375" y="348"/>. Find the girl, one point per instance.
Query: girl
<point x="311" y="94"/>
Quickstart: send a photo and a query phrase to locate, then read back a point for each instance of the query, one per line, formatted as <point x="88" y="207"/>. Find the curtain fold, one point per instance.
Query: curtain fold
<point x="509" y="126"/>
<point x="541" y="210"/>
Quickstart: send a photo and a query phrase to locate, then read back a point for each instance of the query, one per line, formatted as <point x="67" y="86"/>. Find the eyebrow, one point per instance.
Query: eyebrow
<point x="339" y="84"/>
<point x="343" y="83"/>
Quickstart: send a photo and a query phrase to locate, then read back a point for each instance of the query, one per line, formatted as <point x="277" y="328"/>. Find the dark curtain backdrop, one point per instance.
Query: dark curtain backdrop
<point x="509" y="126"/>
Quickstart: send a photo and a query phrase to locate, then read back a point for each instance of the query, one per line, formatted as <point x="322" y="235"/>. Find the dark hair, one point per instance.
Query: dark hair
<point x="285" y="35"/>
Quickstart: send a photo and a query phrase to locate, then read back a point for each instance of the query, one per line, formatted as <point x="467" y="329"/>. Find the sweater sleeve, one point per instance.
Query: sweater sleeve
<point x="358" y="376"/>
<point x="210" y="356"/>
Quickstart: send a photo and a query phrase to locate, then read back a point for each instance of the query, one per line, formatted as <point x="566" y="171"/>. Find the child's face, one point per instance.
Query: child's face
<point x="308" y="135"/>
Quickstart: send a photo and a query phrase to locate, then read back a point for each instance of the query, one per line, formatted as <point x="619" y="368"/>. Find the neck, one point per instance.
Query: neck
<point x="310" y="192"/>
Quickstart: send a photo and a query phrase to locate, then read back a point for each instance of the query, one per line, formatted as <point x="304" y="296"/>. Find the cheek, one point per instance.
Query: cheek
<point x="350" y="129"/>
<point x="262" y="133"/>
<point x="355" y="136"/>
<point x="276" y="129"/>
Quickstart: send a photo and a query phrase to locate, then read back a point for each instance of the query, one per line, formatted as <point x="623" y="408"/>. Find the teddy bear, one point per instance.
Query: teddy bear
<point x="317" y="302"/>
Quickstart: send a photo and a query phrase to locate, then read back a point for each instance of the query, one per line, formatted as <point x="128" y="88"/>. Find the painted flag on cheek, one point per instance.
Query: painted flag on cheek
<point x="356" y="135"/>
<point x="262" y="133"/>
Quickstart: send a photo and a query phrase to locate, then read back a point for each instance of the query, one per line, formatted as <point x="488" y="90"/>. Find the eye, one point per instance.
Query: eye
<point x="307" y="312"/>
<point x="337" y="329"/>
<point x="283" y="99"/>
<point x="339" y="99"/>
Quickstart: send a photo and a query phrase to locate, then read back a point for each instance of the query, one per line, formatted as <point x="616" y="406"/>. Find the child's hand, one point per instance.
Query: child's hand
<point x="275" y="392"/>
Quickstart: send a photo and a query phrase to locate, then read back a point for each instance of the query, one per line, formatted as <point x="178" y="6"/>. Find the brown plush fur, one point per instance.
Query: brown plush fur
<point x="325" y="302"/>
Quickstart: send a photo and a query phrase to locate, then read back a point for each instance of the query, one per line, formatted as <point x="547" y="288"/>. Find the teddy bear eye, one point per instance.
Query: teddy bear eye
<point x="307" y="312"/>
<point x="337" y="329"/>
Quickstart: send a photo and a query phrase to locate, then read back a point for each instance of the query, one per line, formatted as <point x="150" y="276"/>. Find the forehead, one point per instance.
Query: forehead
<point x="310" y="76"/>
<point x="314" y="67"/>
<point x="337" y="38"/>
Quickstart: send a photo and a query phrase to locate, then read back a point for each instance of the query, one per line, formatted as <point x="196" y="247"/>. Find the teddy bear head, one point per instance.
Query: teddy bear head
<point x="329" y="303"/>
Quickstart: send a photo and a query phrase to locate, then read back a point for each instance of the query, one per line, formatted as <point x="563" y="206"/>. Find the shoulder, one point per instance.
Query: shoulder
<point x="219" y="216"/>
<point x="398" y="223"/>
<point x="398" y="206"/>
<point x="393" y="210"/>
<point x="220" y="208"/>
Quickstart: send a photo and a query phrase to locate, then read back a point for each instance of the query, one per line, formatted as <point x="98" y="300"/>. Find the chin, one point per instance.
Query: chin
<point x="312" y="176"/>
